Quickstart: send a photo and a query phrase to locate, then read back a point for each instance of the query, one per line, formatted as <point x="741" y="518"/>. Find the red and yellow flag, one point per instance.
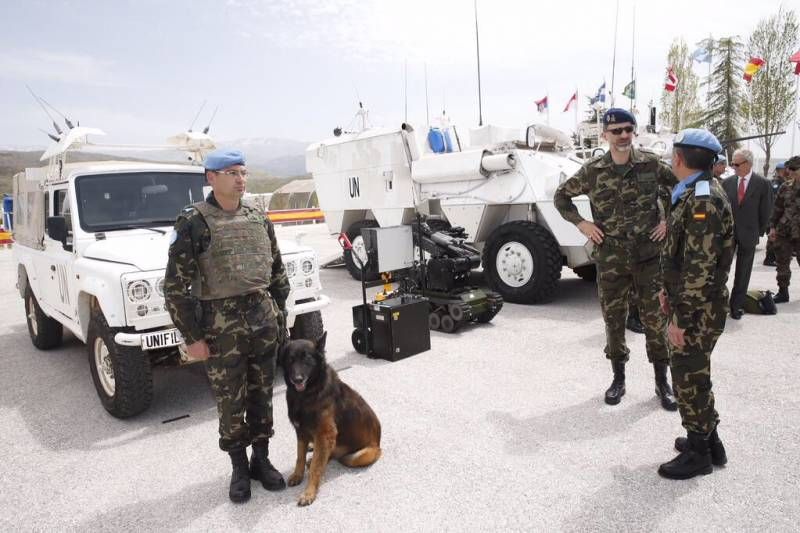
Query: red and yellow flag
<point x="752" y="67"/>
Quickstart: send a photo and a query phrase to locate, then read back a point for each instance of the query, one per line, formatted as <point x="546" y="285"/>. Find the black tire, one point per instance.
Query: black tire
<point x="126" y="385"/>
<point x="533" y="283"/>
<point x="586" y="272"/>
<point x="434" y="321"/>
<point x="448" y="324"/>
<point x="456" y="312"/>
<point x="45" y="332"/>
<point x="354" y="234"/>
<point x="359" y="340"/>
<point x="308" y="326"/>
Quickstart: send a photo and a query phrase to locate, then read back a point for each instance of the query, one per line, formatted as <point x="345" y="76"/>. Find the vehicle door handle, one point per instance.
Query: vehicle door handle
<point x="53" y="268"/>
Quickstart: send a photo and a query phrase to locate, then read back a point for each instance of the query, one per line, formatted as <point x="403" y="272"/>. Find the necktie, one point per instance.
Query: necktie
<point x="741" y="190"/>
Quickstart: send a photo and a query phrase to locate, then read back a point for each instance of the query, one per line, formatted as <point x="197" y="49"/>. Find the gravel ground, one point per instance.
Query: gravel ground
<point x="498" y="427"/>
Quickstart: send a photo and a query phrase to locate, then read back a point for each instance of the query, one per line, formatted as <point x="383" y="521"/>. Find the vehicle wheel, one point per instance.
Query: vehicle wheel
<point x="45" y="332"/>
<point x="456" y="312"/>
<point x="522" y="262"/>
<point x="434" y="321"/>
<point x="308" y="326"/>
<point x="359" y="339"/>
<point x="354" y="234"/>
<point x="448" y="324"/>
<point x="122" y="375"/>
<point x="586" y="272"/>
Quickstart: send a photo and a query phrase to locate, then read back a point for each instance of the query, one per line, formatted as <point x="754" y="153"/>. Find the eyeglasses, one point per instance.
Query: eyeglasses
<point x="618" y="131"/>
<point x="737" y="165"/>
<point x="793" y="169"/>
<point x="233" y="173"/>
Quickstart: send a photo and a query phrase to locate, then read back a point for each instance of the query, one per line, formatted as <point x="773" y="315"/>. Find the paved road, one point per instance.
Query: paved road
<point x="499" y="427"/>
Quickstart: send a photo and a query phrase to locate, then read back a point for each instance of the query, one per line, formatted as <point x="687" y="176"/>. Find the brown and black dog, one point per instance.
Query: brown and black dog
<point x="326" y="412"/>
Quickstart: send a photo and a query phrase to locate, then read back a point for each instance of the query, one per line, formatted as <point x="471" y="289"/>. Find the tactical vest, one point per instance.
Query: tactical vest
<point x="239" y="258"/>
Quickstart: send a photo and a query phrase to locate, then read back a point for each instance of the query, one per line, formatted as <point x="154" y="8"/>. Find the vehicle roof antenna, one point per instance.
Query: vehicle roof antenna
<point x="214" y="114"/>
<point x="197" y="115"/>
<point x="56" y="139"/>
<point x="39" y="101"/>
<point x="42" y="101"/>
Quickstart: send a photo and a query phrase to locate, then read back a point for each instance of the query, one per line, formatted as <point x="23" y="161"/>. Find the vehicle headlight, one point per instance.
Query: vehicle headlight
<point x="308" y="266"/>
<point x="291" y="269"/>
<point x="139" y="291"/>
<point x="160" y="287"/>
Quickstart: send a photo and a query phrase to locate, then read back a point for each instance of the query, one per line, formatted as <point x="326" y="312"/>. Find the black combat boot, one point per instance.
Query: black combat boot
<point x="782" y="296"/>
<point x="633" y="322"/>
<point x="694" y="461"/>
<point x="663" y="388"/>
<point x="617" y="389"/>
<point x="240" y="478"/>
<point x="718" y="455"/>
<point x="261" y="468"/>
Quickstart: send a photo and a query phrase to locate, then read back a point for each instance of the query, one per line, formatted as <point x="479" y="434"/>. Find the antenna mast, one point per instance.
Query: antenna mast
<point x="197" y="115"/>
<point x="478" y="53"/>
<point x="614" y="60"/>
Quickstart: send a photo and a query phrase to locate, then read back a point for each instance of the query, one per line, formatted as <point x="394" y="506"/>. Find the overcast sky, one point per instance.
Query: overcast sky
<point x="295" y="69"/>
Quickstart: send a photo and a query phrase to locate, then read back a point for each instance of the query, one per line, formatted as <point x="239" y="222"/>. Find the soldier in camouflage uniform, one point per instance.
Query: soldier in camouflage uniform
<point x="695" y="263"/>
<point x="774" y="184"/>
<point x="785" y="227"/>
<point x="624" y="187"/>
<point x="226" y="290"/>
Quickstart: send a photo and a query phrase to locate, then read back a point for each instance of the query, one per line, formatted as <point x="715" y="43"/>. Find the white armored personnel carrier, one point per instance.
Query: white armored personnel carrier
<point x="91" y="248"/>
<point x="498" y="185"/>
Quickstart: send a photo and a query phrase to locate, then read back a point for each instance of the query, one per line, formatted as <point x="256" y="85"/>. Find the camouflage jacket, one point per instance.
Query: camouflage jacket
<point x="191" y="238"/>
<point x="625" y="207"/>
<point x="786" y="213"/>
<point x="698" y="251"/>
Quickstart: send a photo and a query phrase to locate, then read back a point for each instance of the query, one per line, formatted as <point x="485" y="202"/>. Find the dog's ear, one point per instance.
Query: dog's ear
<point x="321" y="342"/>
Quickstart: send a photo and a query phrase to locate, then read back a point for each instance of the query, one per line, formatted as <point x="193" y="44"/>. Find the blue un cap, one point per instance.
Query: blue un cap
<point x="223" y="158"/>
<point x="617" y="115"/>
<point x="780" y="166"/>
<point x="697" y="138"/>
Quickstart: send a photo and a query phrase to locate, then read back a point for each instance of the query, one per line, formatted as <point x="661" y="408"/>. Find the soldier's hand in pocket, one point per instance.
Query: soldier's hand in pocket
<point x="198" y="350"/>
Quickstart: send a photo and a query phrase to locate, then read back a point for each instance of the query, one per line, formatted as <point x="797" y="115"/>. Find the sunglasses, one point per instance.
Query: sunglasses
<point x="793" y="169"/>
<point x="618" y="131"/>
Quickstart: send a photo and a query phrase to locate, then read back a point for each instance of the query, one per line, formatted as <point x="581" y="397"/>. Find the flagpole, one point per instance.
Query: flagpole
<point x="633" y="55"/>
<point x="614" y="59"/>
<point x="547" y="99"/>
<point x="578" y="135"/>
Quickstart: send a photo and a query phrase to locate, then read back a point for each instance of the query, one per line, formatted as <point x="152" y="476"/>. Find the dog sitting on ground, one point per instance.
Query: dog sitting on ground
<point x="327" y="413"/>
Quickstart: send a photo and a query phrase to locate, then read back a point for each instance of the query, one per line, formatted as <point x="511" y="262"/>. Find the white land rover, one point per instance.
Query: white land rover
<point x="91" y="249"/>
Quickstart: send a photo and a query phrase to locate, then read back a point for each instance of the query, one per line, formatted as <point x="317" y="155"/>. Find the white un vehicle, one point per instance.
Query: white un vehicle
<point x="496" y="187"/>
<point x="91" y="249"/>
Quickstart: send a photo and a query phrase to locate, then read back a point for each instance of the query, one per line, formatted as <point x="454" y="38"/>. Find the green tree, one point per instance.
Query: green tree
<point x="772" y="95"/>
<point x="726" y="97"/>
<point x="680" y="109"/>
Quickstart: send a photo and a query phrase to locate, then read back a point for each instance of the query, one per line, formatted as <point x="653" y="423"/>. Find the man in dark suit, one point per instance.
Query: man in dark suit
<point x="751" y="199"/>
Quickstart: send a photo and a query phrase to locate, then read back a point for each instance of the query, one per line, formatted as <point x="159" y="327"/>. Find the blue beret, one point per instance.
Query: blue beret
<point x="780" y="166"/>
<point x="697" y="138"/>
<point x="223" y="158"/>
<point x="617" y="115"/>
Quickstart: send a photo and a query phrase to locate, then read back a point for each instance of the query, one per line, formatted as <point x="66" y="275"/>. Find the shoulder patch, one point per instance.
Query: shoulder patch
<point x="702" y="189"/>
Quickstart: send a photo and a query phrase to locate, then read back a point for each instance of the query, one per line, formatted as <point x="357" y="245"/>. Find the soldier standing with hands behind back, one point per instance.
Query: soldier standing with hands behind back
<point x="226" y="290"/>
<point x="624" y="188"/>
<point x="785" y="227"/>
<point x="695" y="263"/>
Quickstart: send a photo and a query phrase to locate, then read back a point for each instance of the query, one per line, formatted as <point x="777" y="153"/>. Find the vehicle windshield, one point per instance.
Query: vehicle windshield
<point x="108" y="202"/>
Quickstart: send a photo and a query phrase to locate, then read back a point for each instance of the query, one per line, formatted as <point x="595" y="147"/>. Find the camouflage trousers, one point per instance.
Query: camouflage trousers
<point x="621" y="279"/>
<point x="784" y="248"/>
<point x="691" y="367"/>
<point x="242" y="335"/>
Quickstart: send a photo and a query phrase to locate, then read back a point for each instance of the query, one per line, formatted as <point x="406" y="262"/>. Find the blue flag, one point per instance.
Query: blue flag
<point x="601" y="94"/>
<point x="701" y="55"/>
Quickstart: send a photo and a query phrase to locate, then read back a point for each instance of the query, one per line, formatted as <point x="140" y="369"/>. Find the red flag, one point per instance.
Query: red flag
<point x="541" y="105"/>
<point x="573" y="98"/>
<point x="672" y="81"/>
<point x="796" y="59"/>
<point x="752" y="67"/>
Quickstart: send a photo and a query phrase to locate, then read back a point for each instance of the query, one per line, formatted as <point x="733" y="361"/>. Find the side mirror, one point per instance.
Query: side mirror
<point x="57" y="229"/>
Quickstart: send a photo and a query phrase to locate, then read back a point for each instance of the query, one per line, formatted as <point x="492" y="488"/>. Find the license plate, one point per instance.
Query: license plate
<point x="161" y="339"/>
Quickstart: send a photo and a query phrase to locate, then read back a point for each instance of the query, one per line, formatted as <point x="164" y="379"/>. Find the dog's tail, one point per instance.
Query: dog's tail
<point x="363" y="457"/>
